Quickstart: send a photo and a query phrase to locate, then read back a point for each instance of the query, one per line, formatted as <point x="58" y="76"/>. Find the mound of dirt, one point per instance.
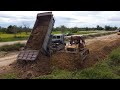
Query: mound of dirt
<point x="99" y="51"/>
<point x="65" y="60"/>
<point x="30" y="69"/>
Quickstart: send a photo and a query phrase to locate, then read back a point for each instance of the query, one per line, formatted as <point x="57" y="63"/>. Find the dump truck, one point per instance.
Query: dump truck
<point x="39" y="38"/>
<point x="41" y="41"/>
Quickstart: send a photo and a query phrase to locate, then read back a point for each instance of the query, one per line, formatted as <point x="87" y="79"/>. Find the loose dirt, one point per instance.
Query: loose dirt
<point x="99" y="48"/>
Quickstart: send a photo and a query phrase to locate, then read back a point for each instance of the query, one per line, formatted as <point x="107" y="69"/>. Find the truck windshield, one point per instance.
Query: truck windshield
<point x="54" y="37"/>
<point x="58" y="36"/>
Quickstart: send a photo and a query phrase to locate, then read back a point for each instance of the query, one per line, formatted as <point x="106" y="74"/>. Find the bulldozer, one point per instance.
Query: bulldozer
<point x="77" y="45"/>
<point x="41" y="41"/>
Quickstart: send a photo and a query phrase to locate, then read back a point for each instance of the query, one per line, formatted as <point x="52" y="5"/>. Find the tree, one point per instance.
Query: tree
<point x="86" y="28"/>
<point x="108" y="28"/>
<point x="26" y="28"/>
<point x="114" y="28"/>
<point x="75" y="30"/>
<point x="99" y="27"/>
<point x="63" y="28"/>
<point x="10" y="29"/>
<point x="15" y="31"/>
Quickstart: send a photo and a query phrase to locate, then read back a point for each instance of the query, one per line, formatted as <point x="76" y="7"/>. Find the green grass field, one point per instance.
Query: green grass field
<point x="23" y="36"/>
<point x="11" y="37"/>
<point x="13" y="47"/>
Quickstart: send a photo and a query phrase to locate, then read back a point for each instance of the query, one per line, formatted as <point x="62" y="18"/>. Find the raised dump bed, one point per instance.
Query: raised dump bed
<point x="39" y="37"/>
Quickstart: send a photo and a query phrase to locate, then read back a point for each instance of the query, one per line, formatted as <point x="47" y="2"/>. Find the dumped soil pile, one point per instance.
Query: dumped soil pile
<point x="67" y="61"/>
<point x="99" y="50"/>
<point x="30" y="69"/>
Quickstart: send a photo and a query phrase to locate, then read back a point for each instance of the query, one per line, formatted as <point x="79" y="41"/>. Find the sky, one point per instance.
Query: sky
<point x="67" y="18"/>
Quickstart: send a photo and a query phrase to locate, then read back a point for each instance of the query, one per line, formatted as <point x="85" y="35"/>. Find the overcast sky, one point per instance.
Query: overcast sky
<point x="67" y="18"/>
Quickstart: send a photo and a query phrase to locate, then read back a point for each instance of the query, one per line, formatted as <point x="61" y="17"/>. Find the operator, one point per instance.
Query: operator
<point x="78" y="40"/>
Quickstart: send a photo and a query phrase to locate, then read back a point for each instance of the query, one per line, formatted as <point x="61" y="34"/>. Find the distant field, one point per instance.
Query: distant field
<point x="11" y="37"/>
<point x="80" y="32"/>
<point x="23" y="36"/>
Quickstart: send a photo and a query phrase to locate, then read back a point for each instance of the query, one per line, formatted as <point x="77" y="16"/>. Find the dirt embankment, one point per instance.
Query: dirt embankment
<point x="99" y="48"/>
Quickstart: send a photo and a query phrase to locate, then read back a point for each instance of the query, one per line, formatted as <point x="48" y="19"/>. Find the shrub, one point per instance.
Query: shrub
<point x="13" y="47"/>
<point x="100" y="71"/>
<point x="115" y="57"/>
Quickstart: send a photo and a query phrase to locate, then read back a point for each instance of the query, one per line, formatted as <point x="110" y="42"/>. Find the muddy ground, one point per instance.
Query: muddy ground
<point x="99" y="48"/>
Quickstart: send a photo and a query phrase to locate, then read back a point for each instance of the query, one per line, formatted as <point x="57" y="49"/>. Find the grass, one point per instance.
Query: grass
<point x="13" y="47"/>
<point x="8" y="76"/>
<point x="11" y="37"/>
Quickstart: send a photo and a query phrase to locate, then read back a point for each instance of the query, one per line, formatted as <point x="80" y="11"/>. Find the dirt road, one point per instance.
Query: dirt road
<point x="9" y="58"/>
<point x="107" y="38"/>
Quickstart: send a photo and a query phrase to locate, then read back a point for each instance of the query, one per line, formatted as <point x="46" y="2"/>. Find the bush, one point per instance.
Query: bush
<point x="57" y="74"/>
<point x="13" y="47"/>
<point x="99" y="71"/>
<point x="115" y="57"/>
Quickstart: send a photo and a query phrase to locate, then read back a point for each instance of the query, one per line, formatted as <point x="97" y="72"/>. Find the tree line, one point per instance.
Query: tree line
<point x="13" y="29"/>
<point x="75" y="29"/>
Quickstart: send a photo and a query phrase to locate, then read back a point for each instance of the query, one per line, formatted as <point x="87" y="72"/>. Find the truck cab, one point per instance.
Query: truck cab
<point x="57" y="38"/>
<point x="57" y="42"/>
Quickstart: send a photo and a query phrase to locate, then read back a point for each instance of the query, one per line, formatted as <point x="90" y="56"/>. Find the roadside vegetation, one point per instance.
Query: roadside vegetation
<point x="8" y="76"/>
<point x="4" y="37"/>
<point x="14" y="47"/>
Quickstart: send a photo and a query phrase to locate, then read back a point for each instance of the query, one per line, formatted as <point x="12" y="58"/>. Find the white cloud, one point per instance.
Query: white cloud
<point x="67" y="18"/>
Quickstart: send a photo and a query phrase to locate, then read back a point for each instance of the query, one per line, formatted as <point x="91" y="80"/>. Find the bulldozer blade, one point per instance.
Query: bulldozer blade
<point x="84" y="54"/>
